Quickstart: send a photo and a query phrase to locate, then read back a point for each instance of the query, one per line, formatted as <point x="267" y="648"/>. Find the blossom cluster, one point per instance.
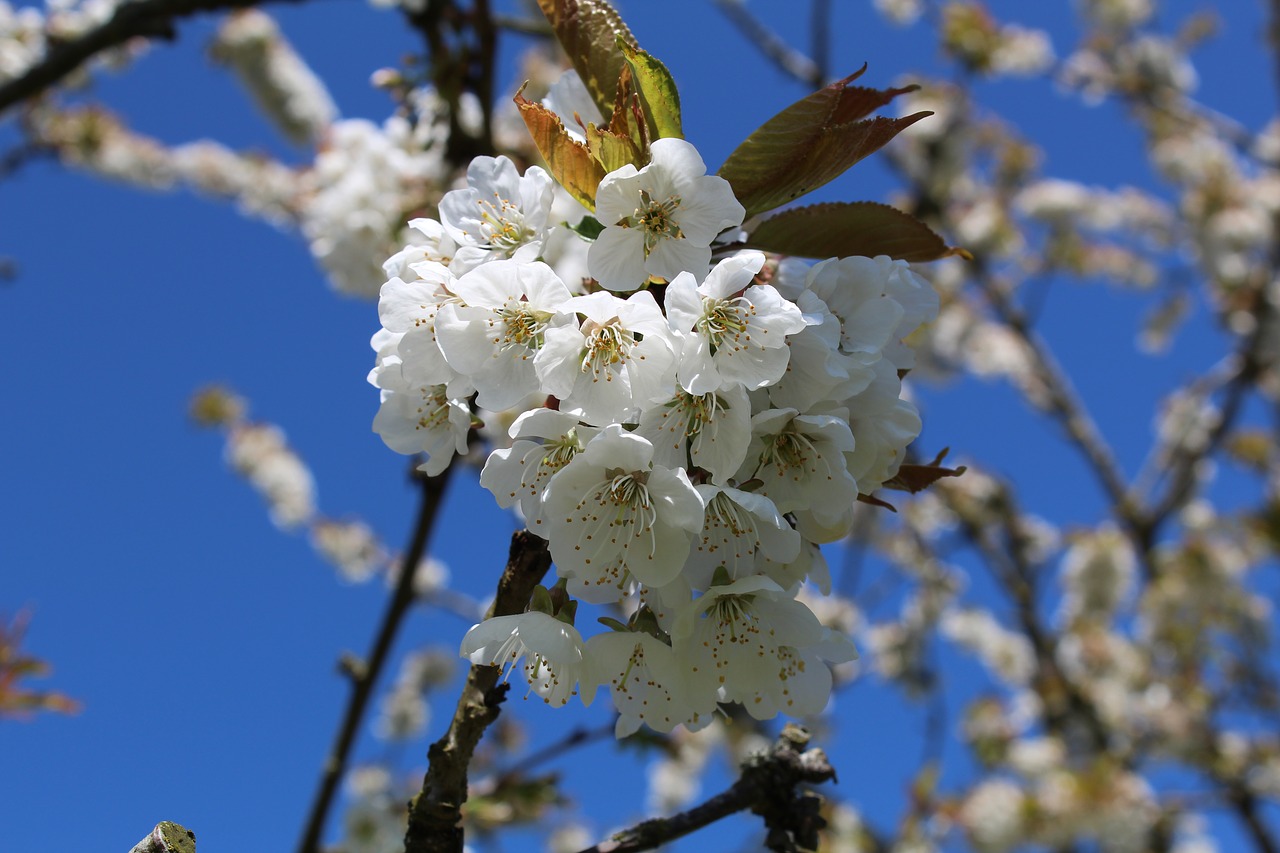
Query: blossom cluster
<point x="693" y="423"/>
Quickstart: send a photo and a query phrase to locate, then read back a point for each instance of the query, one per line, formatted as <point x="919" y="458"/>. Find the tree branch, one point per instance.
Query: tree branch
<point x="140" y="19"/>
<point x="575" y="738"/>
<point x="1062" y="399"/>
<point x="365" y="676"/>
<point x="435" y="813"/>
<point x="20" y="155"/>
<point x="791" y="61"/>
<point x="769" y="786"/>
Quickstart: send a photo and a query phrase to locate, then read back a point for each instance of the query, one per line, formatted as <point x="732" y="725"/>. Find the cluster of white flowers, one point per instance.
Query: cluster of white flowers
<point x="260" y="453"/>
<point x="365" y="178"/>
<point x="691" y="431"/>
<point x="285" y="87"/>
<point x="22" y="39"/>
<point x="27" y="32"/>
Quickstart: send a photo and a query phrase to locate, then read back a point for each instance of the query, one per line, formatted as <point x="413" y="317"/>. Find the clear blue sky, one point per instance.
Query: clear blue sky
<point x="201" y="640"/>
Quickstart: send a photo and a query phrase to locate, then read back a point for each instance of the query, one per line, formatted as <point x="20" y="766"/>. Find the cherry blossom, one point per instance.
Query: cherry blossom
<point x="660" y="220"/>
<point x="500" y="214"/>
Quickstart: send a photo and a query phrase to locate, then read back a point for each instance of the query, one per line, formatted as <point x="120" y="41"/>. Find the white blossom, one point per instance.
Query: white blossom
<point x="732" y="332"/>
<point x="660" y="220"/>
<point x="616" y="519"/>
<point x="621" y="358"/>
<point x="492" y="334"/>
<point x="500" y="214"/>
<point x="553" y="653"/>
<point x="520" y="473"/>
<point x="711" y="431"/>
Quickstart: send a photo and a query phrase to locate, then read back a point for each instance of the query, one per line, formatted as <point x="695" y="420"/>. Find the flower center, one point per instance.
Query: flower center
<point x="724" y="513"/>
<point x="501" y="223"/>
<point x="559" y="451"/>
<point x="434" y="411"/>
<point x="734" y="612"/>
<point x="522" y="326"/>
<point x="789" y="449"/>
<point x="629" y="494"/>
<point x="655" y="219"/>
<point x="721" y="318"/>
<point x="607" y="346"/>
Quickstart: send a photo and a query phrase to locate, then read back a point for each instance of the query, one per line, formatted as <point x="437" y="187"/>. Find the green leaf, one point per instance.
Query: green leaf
<point x="657" y="89"/>
<point x="810" y="143"/>
<point x="613" y="150"/>
<point x="589" y="228"/>
<point x="588" y="31"/>
<point x="569" y="161"/>
<point x="841" y="229"/>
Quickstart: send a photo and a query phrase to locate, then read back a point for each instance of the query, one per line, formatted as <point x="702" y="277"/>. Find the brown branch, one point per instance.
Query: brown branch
<point x="1008" y="561"/>
<point x="1247" y="807"/>
<point x="820" y="38"/>
<point x="365" y="675"/>
<point x="770" y="786"/>
<point x="435" y="813"/>
<point x="1183" y="463"/>
<point x="575" y="738"/>
<point x="20" y="155"/>
<point x="461" y="49"/>
<point x="140" y="19"/>
<point x="1062" y="401"/>
<point x="791" y="61"/>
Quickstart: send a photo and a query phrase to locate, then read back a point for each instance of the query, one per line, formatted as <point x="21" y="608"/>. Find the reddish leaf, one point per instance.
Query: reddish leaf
<point x="568" y="161"/>
<point x="810" y="143"/>
<point x="17" y="699"/>
<point x="917" y="478"/>
<point x="875" y="501"/>
<point x="588" y="31"/>
<point x="841" y="229"/>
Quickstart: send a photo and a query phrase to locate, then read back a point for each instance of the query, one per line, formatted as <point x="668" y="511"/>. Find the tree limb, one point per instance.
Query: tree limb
<point x="791" y="61"/>
<point x="141" y="19"/>
<point x="365" y="676"/>
<point x="435" y="813"/>
<point x="769" y="786"/>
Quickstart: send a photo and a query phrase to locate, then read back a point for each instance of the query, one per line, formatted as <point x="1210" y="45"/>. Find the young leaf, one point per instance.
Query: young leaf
<point x="589" y="228"/>
<point x="625" y="139"/>
<point x="810" y="143"/>
<point x="613" y="150"/>
<point x="568" y="161"/>
<point x="841" y="229"/>
<point x="657" y="89"/>
<point x="588" y="31"/>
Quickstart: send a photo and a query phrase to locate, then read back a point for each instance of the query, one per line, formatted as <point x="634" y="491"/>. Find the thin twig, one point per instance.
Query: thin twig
<point x="820" y="38"/>
<point x="791" y="61"/>
<point x="139" y="19"/>
<point x="20" y="155"/>
<point x="575" y="738"/>
<point x="769" y="786"/>
<point x="365" y="677"/>
<point x="1062" y="399"/>
<point x="435" y="813"/>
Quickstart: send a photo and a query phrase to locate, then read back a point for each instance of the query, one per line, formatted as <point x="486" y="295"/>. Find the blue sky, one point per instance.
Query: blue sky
<point x="201" y="640"/>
